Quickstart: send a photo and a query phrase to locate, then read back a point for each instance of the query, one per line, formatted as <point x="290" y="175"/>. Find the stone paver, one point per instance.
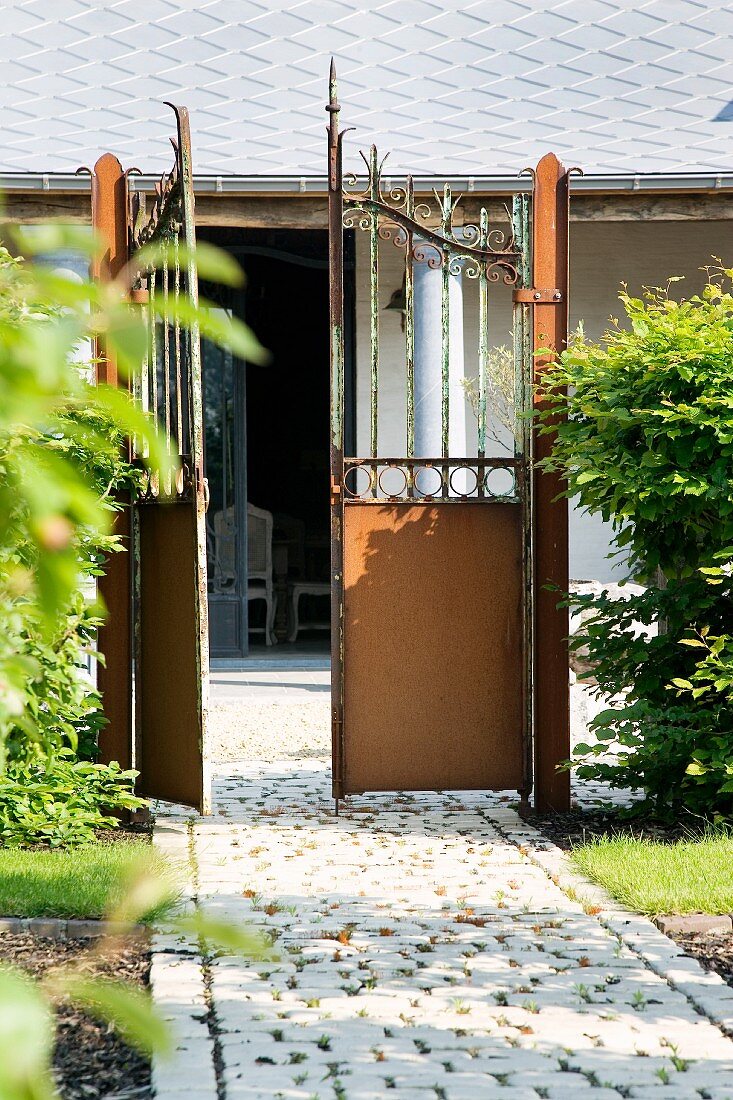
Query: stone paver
<point x="416" y="948"/>
<point x="420" y="944"/>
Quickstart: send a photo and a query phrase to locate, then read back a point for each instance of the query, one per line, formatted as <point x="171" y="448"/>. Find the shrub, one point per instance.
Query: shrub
<point x="61" y="800"/>
<point x="648" y="445"/>
<point x="60" y="465"/>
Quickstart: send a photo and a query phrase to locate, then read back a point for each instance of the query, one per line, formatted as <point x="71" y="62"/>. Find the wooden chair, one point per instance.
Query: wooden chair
<point x="305" y="588"/>
<point x="259" y="567"/>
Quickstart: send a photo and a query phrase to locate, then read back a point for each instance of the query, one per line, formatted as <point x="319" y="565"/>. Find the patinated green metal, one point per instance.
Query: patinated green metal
<point x="177" y="343"/>
<point x="446" y="217"/>
<point x="409" y="318"/>
<point x="521" y="226"/>
<point x="483" y="336"/>
<point x="374" y="305"/>
<point x="336" y="316"/>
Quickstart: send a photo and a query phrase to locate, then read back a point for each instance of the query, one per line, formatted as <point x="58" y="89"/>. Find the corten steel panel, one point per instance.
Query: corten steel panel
<point x="432" y="647"/>
<point x="552" y="691"/>
<point x="169" y="676"/>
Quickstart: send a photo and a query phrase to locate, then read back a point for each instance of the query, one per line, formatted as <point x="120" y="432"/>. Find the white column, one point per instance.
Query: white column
<point x="428" y="365"/>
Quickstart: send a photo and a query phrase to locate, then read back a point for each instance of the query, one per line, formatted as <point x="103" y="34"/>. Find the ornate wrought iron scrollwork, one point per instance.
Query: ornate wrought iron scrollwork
<point x="469" y="250"/>
<point x="165" y="218"/>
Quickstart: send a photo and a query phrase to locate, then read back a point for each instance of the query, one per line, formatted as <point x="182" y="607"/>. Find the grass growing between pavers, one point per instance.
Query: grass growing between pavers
<point x="86" y="882"/>
<point x="685" y="876"/>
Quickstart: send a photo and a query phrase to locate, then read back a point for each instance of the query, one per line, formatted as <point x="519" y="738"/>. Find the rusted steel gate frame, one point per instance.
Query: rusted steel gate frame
<point x="538" y="269"/>
<point x="164" y="734"/>
<point x="115" y="639"/>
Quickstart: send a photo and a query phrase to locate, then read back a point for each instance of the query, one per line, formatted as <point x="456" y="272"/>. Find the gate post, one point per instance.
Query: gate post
<point x="114" y="677"/>
<point x="551" y="626"/>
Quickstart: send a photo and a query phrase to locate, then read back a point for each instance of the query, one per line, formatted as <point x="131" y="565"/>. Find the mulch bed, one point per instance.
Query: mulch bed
<point x="90" y="1061"/>
<point x="713" y="950"/>
<point x="569" y="830"/>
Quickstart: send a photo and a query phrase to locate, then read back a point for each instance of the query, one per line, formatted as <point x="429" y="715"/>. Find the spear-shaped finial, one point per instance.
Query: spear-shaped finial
<point x="333" y="104"/>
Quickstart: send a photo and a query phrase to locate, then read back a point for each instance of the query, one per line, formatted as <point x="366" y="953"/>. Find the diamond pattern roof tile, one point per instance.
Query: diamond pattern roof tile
<point x="457" y="88"/>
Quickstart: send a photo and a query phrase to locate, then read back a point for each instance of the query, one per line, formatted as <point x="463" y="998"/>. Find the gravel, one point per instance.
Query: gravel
<point x="270" y="731"/>
<point x="90" y="1061"/>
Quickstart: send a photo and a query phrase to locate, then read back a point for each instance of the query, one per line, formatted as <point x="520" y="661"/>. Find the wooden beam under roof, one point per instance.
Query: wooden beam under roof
<point x="309" y="212"/>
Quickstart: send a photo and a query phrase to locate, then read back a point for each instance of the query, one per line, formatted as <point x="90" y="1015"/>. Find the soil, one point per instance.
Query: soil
<point x="90" y="1061"/>
<point x="125" y="832"/>
<point x="569" y="830"/>
<point x="713" y="950"/>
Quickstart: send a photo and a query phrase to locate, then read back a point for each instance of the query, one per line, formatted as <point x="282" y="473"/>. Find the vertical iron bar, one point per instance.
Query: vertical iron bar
<point x="166" y="374"/>
<point x="522" y="430"/>
<point x="136" y="376"/>
<point x="153" y="351"/>
<point x="374" y="302"/>
<point x="145" y="365"/>
<point x="483" y="340"/>
<point x="179" y="410"/>
<point x="196" y="429"/>
<point x="409" y="316"/>
<point x="445" y="339"/>
<point x="224" y="442"/>
<point x="336" y="311"/>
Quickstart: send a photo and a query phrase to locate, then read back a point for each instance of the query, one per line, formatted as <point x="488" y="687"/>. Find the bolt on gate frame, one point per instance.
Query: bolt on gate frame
<point x="449" y="653"/>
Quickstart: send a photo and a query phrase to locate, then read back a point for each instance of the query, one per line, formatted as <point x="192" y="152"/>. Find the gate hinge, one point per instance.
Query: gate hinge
<point x="335" y="491"/>
<point x="539" y="296"/>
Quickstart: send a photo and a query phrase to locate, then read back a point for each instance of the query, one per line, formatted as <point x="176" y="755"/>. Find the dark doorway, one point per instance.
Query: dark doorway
<point x="267" y="455"/>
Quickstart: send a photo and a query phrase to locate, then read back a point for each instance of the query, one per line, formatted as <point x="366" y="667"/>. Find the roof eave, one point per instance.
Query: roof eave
<point x="598" y="183"/>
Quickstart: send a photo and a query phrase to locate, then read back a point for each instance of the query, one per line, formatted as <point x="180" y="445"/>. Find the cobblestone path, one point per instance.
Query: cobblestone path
<point x="421" y="951"/>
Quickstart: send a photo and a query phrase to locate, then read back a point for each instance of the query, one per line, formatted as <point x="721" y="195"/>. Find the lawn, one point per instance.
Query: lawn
<point x="686" y="876"/>
<point x="85" y="882"/>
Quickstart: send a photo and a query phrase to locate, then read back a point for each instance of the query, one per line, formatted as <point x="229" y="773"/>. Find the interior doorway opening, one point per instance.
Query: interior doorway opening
<point x="267" y="452"/>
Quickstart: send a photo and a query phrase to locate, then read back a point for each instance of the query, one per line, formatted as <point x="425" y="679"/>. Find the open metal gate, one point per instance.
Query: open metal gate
<point x="165" y="640"/>
<point x="440" y="615"/>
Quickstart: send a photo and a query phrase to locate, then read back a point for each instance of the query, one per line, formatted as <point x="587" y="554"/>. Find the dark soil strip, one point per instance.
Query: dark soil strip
<point x="578" y="827"/>
<point x="90" y="1061"/>
<point x="713" y="950"/>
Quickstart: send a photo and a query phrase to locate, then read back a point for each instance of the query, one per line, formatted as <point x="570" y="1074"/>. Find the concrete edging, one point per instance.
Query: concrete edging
<point x="706" y="990"/>
<point x="58" y="928"/>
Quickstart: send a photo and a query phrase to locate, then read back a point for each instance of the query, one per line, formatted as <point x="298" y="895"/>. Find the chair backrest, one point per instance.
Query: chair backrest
<point x="225" y="544"/>
<point x="259" y="543"/>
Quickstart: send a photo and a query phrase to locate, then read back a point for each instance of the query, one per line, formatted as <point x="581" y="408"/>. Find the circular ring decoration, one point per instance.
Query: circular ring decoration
<point x="500" y="482"/>
<point x="396" y="481"/>
<point x="468" y="490"/>
<point x="428" y="481"/>
<point x="358" y="481"/>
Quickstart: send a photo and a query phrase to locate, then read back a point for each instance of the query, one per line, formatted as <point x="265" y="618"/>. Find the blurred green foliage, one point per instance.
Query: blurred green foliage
<point x="61" y="467"/>
<point x="62" y="471"/>
<point x="647" y="443"/>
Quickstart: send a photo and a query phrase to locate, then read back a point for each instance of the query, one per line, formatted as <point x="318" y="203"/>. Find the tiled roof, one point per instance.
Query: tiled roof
<point x="469" y="88"/>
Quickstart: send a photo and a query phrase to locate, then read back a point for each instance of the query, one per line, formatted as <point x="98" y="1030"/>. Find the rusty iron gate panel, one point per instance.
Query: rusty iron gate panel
<point x="433" y="578"/>
<point x="169" y="526"/>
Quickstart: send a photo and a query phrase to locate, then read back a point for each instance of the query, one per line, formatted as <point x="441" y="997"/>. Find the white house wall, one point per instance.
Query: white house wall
<point x="603" y="255"/>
